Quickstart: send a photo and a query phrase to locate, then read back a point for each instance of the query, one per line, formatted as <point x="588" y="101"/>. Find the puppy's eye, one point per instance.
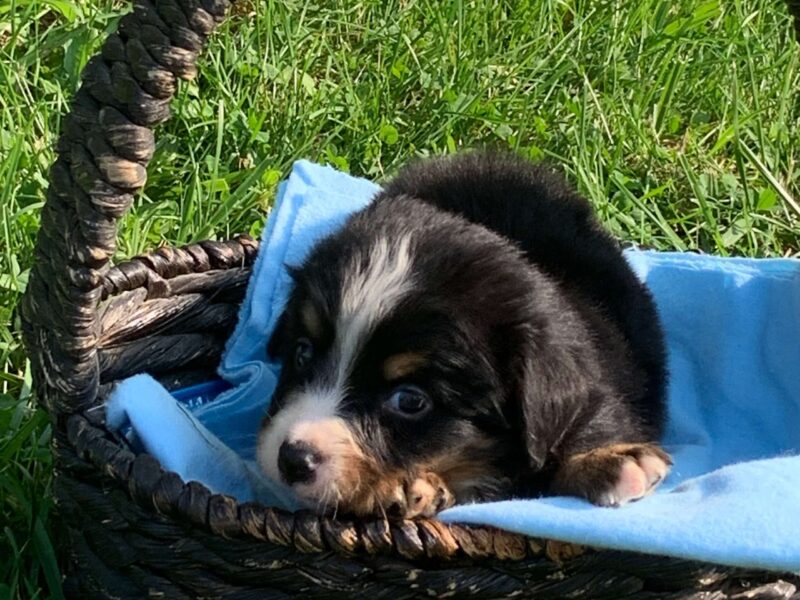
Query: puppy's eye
<point x="409" y="401"/>
<point x="303" y="353"/>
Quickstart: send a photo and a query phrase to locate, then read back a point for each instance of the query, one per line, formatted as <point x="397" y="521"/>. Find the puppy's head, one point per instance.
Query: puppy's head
<point x="395" y="354"/>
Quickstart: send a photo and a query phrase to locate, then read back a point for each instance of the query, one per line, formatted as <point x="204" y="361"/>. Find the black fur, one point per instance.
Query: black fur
<point x="539" y="337"/>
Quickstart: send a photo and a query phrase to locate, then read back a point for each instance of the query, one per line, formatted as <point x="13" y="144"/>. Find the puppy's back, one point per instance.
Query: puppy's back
<point x="556" y="228"/>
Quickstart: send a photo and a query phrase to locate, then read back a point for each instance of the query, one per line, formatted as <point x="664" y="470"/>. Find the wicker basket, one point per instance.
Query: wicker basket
<point x="131" y="529"/>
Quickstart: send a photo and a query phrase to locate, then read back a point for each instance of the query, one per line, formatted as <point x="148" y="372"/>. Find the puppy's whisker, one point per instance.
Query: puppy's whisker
<point x="336" y="506"/>
<point x="383" y="513"/>
<point x="322" y="501"/>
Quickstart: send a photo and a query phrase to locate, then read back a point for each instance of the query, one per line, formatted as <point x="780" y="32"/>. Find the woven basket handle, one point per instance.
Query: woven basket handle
<point x="105" y="145"/>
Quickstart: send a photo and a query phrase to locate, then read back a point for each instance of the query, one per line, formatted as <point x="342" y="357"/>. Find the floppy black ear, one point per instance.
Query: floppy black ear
<point x="552" y="389"/>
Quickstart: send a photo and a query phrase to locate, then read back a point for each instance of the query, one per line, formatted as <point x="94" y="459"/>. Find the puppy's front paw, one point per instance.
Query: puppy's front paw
<point x="613" y="475"/>
<point x="428" y="495"/>
<point x="421" y="497"/>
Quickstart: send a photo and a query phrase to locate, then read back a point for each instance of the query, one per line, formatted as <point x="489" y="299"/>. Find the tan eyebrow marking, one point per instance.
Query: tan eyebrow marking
<point x="402" y="364"/>
<point x="311" y="320"/>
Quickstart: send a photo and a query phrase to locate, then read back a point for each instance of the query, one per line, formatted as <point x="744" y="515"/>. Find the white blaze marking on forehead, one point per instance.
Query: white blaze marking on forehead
<point x="369" y="292"/>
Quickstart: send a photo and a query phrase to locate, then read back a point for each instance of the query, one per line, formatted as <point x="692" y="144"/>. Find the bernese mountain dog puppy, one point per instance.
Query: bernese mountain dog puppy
<point x="473" y="334"/>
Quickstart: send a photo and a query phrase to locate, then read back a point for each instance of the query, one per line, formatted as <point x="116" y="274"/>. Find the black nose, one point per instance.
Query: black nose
<point x="297" y="462"/>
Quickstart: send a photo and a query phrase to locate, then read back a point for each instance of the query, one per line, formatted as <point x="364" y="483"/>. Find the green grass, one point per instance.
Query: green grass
<point x="678" y="123"/>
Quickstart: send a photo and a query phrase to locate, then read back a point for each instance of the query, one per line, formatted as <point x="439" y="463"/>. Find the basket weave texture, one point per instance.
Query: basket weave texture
<point x="130" y="529"/>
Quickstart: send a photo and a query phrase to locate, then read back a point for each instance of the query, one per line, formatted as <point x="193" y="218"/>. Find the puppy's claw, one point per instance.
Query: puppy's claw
<point x="655" y="468"/>
<point x="444" y="499"/>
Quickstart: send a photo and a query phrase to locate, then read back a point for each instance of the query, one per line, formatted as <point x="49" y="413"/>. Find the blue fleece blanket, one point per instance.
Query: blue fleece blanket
<point x="733" y="332"/>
